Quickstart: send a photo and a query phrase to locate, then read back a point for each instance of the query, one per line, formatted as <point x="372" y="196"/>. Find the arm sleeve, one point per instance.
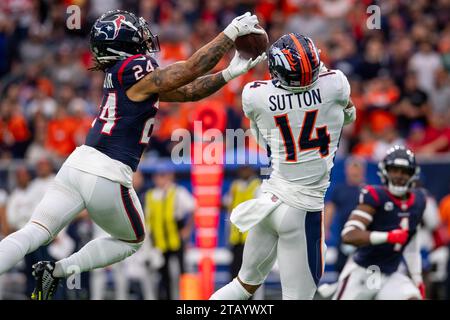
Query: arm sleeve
<point x="257" y="134"/>
<point x="249" y="113"/>
<point x="349" y="115"/>
<point x="343" y="95"/>
<point x="431" y="214"/>
<point x="412" y="258"/>
<point x="246" y="102"/>
<point x="132" y="71"/>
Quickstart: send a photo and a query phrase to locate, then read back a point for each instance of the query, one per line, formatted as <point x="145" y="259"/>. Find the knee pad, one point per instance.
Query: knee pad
<point x="30" y="237"/>
<point x="58" y="207"/>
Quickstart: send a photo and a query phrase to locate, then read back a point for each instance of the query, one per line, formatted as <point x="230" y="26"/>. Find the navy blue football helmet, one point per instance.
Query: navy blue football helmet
<point x="399" y="157"/>
<point x="294" y="61"/>
<point x="119" y="34"/>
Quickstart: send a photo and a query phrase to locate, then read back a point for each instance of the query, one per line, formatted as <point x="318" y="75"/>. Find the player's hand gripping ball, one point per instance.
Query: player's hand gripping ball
<point x="252" y="45"/>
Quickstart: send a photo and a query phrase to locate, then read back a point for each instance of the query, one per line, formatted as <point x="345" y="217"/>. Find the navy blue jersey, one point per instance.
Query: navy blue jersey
<point x="390" y="214"/>
<point x="123" y="127"/>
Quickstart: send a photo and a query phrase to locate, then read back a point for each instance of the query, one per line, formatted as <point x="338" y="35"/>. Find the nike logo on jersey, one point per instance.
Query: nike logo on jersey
<point x="295" y="100"/>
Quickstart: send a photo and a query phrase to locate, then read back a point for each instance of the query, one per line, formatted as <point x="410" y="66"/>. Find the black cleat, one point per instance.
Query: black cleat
<point x="46" y="283"/>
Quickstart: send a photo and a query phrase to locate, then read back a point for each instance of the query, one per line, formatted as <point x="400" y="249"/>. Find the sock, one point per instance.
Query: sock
<point x="15" y="246"/>
<point x="232" y="291"/>
<point x="98" y="253"/>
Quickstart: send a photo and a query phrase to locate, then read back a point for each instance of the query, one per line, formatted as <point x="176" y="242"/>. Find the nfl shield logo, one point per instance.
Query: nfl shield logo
<point x="388" y="206"/>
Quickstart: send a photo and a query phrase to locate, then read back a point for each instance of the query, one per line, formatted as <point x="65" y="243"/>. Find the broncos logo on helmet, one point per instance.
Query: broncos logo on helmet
<point x="294" y="61"/>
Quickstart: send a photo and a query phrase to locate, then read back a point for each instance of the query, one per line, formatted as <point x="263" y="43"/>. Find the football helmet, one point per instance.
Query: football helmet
<point x="294" y="62"/>
<point x="119" y="34"/>
<point x="399" y="157"/>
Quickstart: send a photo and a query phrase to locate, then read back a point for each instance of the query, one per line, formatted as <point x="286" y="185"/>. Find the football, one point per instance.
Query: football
<point x="252" y="45"/>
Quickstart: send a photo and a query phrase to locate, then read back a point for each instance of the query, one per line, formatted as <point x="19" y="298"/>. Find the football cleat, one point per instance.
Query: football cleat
<point x="46" y="283"/>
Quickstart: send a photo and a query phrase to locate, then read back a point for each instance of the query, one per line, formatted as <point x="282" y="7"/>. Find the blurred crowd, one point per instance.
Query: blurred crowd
<point x="398" y="68"/>
<point x="398" y="71"/>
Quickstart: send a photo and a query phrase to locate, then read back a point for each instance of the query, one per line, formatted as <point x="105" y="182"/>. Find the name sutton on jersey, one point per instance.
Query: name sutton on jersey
<point x="294" y="100"/>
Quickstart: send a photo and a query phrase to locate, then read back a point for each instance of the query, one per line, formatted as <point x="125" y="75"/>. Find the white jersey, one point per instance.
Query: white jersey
<point x="90" y="160"/>
<point x="302" y="131"/>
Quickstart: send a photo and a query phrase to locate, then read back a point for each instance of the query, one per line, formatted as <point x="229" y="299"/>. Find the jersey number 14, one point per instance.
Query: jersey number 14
<point x="305" y="142"/>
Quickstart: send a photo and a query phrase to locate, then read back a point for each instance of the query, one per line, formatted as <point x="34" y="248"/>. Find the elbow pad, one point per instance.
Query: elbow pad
<point x="349" y="115"/>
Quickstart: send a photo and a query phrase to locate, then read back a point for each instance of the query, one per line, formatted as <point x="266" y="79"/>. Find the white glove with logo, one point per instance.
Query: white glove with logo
<point x="239" y="65"/>
<point x="242" y="25"/>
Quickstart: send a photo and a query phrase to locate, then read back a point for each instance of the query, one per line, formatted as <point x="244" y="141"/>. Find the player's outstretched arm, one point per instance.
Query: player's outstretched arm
<point x="355" y="232"/>
<point x="207" y="85"/>
<point x="184" y="72"/>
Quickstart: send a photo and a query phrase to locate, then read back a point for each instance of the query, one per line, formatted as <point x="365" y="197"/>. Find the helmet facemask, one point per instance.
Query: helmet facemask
<point x="394" y="187"/>
<point x="150" y="43"/>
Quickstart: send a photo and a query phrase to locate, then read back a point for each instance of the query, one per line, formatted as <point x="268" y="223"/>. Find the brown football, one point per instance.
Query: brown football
<point x="252" y="45"/>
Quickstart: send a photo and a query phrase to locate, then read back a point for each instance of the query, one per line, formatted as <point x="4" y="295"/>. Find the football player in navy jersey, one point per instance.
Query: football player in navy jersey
<point x="384" y="228"/>
<point x="97" y="176"/>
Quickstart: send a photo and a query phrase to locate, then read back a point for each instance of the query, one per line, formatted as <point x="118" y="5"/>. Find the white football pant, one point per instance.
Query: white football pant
<point x="294" y="237"/>
<point x="359" y="283"/>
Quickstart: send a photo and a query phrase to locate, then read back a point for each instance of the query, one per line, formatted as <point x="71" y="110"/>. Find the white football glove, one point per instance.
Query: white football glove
<point x="242" y="25"/>
<point x="239" y="65"/>
<point x="349" y="115"/>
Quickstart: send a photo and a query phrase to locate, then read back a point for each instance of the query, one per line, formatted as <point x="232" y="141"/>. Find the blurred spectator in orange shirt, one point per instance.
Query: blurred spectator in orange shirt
<point x="265" y="8"/>
<point x="381" y="93"/>
<point x="379" y="119"/>
<point x="14" y="132"/>
<point x="174" y="31"/>
<point x="60" y="133"/>
<point x="366" y="145"/>
<point x="170" y="117"/>
<point x="444" y="211"/>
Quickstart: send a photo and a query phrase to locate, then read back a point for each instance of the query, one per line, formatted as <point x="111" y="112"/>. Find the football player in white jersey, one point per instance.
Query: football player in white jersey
<point x="299" y="114"/>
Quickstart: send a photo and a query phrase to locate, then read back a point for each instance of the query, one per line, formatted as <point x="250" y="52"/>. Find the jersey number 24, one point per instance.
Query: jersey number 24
<point x="109" y="118"/>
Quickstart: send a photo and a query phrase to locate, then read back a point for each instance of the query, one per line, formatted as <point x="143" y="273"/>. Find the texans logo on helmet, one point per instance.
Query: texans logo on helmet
<point x="111" y="28"/>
